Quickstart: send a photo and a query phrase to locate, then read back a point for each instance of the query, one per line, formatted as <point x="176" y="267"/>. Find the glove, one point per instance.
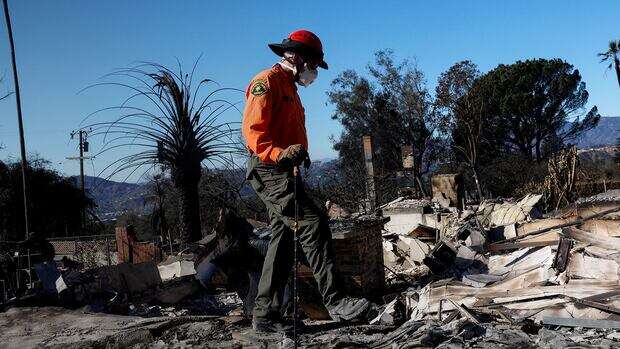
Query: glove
<point x="293" y="155"/>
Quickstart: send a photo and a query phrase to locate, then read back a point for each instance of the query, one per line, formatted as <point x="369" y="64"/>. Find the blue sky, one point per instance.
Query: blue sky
<point x="63" y="46"/>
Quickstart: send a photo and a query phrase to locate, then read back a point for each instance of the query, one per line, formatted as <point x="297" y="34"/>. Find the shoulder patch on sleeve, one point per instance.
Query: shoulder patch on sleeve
<point x="259" y="87"/>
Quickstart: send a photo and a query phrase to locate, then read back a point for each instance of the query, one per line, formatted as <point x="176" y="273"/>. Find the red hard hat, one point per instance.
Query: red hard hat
<point x="304" y="42"/>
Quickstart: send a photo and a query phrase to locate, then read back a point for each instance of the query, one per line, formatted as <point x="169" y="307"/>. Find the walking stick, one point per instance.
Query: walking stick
<point x="295" y="241"/>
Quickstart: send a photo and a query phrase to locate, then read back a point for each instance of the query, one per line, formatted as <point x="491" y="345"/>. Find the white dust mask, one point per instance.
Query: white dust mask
<point x="307" y="76"/>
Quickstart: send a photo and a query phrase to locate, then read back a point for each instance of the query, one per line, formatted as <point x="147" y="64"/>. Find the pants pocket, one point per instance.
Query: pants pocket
<point x="277" y="191"/>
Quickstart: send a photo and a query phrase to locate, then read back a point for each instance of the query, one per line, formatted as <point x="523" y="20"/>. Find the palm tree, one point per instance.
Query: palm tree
<point x="179" y="128"/>
<point x="611" y="55"/>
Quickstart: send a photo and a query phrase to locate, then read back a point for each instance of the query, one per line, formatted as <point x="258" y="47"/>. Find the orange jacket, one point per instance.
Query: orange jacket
<point x="273" y="117"/>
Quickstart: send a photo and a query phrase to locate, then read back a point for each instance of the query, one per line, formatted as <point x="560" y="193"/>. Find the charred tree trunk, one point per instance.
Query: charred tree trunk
<point x="186" y="179"/>
<point x="617" y="66"/>
<point x="478" y="188"/>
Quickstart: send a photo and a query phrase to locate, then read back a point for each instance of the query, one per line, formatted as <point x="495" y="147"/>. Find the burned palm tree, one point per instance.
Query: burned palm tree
<point x="166" y="121"/>
<point x="611" y="55"/>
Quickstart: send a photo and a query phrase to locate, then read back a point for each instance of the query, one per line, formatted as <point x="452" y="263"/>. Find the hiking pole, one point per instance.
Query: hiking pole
<point x="295" y="240"/>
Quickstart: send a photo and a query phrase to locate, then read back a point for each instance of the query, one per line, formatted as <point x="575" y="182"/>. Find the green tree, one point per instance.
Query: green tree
<point x="394" y="106"/>
<point x="181" y="130"/>
<point x="462" y="112"/>
<point x="611" y="55"/>
<point x="538" y="104"/>
<point x="521" y="114"/>
<point x="56" y="203"/>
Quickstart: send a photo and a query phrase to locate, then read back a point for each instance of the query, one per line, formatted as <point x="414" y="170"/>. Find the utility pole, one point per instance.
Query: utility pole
<point x="22" y="143"/>
<point x="82" y="162"/>
<point x="82" y="135"/>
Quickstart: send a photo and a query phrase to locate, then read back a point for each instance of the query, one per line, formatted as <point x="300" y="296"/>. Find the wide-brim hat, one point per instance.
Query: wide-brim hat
<point x="303" y="42"/>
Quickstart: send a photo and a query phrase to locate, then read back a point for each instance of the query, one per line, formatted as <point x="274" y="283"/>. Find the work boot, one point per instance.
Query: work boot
<point x="349" y="309"/>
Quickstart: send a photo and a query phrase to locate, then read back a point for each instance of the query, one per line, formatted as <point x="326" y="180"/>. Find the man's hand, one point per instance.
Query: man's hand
<point x="294" y="155"/>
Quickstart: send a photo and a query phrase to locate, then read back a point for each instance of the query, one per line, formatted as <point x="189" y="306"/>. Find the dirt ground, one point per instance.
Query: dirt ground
<point x="53" y="327"/>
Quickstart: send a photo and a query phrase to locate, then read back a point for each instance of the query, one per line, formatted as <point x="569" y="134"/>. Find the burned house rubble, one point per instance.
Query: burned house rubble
<point x="500" y="273"/>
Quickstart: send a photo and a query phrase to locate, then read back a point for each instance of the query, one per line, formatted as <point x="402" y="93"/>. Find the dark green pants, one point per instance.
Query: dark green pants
<point x="275" y="187"/>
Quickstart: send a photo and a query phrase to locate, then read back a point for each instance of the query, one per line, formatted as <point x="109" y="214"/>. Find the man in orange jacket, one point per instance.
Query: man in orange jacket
<point x="275" y="134"/>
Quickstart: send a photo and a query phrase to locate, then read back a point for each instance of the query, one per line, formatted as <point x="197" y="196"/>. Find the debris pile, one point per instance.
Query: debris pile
<point x="499" y="273"/>
<point x="507" y="264"/>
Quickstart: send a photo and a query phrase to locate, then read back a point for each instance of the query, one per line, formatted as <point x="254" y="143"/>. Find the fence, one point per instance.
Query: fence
<point x="92" y="250"/>
<point x="17" y="267"/>
<point x="18" y="259"/>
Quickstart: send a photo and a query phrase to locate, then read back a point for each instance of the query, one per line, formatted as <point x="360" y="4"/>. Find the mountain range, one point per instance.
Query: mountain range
<point x="114" y="198"/>
<point x="605" y="133"/>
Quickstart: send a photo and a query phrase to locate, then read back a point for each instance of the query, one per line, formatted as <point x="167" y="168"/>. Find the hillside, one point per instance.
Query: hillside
<point x="605" y="133"/>
<point x="113" y="198"/>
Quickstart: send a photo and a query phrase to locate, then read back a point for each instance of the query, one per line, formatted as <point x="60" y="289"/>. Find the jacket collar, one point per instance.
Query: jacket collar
<point x="286" y="73"/>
